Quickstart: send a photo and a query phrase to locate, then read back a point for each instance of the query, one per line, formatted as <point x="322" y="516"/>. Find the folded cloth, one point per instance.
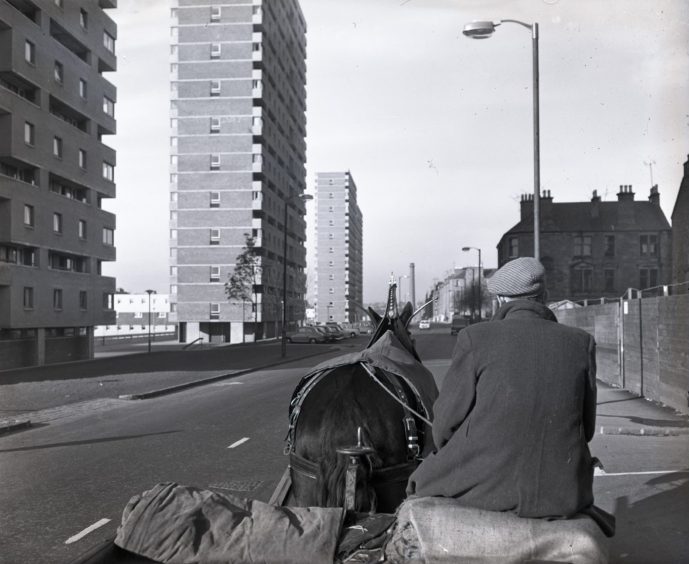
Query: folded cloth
<point x="180" y="524"/>
<point x="438" y="530"/>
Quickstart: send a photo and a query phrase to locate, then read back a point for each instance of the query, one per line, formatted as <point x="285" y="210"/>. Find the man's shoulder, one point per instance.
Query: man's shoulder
<point x="491" y="327"/>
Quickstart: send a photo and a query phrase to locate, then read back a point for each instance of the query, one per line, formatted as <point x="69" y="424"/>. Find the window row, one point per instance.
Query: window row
<point x="582" y="246"/>
<point x="28" y="299"/>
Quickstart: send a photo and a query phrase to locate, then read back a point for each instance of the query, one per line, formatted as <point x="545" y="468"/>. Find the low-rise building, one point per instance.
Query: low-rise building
<point x="595" y="249"/>
<point x="135" y="313"/>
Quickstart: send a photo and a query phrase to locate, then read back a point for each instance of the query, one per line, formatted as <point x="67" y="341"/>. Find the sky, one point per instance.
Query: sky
<point x="436" y="128"/>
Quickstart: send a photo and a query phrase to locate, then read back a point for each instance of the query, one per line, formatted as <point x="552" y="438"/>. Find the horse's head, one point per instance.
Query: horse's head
<point x="395" y="321"/>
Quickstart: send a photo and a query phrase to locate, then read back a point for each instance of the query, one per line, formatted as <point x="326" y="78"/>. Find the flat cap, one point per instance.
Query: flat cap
<point x="522" y="277"/>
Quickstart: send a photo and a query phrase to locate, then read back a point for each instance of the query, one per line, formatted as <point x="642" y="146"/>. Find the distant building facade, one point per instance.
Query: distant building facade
<point x="56" y="109"/>
<point x="132" y="316"/>
<point x="595" y="249"/>
<point x="339" y="272"/>
<point x="238" y="156"/>
<point x="680" y="231"/>
<point x="457" y="293"/>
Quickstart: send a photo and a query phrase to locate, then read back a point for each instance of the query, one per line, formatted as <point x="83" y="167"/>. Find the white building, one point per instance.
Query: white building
<point x="132" y="316"/>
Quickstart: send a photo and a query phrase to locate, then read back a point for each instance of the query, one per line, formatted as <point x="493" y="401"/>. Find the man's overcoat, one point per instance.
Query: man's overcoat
<point x="514" y="416"/>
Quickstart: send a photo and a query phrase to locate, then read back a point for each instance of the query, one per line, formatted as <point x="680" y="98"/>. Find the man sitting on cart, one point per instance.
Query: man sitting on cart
<point x="517" y="409"/>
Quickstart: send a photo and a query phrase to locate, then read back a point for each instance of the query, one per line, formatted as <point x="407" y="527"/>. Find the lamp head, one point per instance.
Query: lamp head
<point x="480" y="29"/>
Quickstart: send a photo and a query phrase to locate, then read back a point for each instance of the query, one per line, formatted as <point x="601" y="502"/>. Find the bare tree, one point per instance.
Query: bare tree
<point x="246" y="277"/>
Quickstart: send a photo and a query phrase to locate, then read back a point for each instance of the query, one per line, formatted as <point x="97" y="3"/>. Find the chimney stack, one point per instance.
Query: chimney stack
<point x="654" y="196"/>
<point x="595" y="204"/>
<point x="526" y="206"/>
<point x="546" y="203"/>
<point x="625" y="194"/>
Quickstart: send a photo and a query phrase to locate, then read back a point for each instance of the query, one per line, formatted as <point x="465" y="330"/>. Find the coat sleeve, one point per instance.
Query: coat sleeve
<point x="590" y="393"/>
<point x="457" y="393"/>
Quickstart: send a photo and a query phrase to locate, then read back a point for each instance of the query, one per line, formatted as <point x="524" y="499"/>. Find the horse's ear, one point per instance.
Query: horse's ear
<point x="374" y="316"/>
<point x="407" y="312"/>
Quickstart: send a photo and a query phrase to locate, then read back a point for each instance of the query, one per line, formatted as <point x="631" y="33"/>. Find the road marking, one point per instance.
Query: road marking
<point x="227" y="384"/>
<point x="599" y="472"/>
<point x="239" y="442"/>
<point x="87" y="530"/>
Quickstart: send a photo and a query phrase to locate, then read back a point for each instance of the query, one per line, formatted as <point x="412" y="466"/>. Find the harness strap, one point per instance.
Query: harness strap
<point x="394" y="473"/>
<point x="303" y="466"/>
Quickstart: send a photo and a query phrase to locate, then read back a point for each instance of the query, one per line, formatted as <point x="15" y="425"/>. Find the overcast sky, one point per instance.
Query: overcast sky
<point x="435" y="128"/>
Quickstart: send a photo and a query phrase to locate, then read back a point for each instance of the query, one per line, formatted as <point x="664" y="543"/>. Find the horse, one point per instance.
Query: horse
<point x="382" y="397"/>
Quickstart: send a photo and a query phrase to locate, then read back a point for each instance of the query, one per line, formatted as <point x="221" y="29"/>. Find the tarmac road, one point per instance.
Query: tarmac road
<point x="70" y="473"/>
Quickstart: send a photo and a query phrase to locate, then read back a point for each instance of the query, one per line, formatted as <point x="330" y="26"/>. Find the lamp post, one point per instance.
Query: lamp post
<point x="480" y="297"/>
<point x="303" y="198"/>
<point x="149" y="292"/>
<point x="483" y="30"/>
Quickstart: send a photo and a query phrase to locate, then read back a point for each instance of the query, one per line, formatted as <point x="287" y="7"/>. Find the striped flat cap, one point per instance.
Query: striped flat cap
<point x="522" y="277"/>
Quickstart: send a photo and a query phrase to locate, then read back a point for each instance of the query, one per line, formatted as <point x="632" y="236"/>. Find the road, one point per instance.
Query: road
<point x="78" y="471"/>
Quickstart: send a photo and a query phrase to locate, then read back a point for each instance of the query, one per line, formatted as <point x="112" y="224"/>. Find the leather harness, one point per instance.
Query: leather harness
<point x="394" y="473"/>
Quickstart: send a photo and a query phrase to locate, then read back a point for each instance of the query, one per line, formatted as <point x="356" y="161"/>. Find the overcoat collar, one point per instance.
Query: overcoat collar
<point x="523" y="309"/>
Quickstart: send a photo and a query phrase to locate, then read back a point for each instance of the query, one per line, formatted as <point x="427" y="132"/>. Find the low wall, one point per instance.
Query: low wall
<point x="17" y="353"/>
<point x="642" y="345"/>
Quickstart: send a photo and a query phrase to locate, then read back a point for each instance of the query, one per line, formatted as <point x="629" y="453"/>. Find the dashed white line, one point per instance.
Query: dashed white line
<point x="239" y="442"/>
<point x="87" y="530"/>
<point x="599" y="472"/>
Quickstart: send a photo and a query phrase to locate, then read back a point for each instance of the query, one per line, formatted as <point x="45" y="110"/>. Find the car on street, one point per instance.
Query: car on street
<point x="309" y="334"/>
<point x="425" y="324"/>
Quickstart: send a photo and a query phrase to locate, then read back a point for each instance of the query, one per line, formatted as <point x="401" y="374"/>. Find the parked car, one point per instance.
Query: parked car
<point x="346" y="329"/>
<point x="424" y="324"/>
<point x="459" y="322"/>
<point x="309" y="334"/>
<point x="333" y="330"/>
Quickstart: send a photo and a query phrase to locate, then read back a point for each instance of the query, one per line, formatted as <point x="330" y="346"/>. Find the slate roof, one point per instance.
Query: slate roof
<point x="576" y="216"/>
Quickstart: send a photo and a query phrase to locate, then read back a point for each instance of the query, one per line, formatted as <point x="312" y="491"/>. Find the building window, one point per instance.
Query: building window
<point x="648" y="245"/>
<point x="57" y="298"/>
<point x="215" y="88"/>
<point x="57" y="222"/>
<point x="215" y="237"/>
<point x="215" y="200"/>
<point x="215" y="125"/>
<point x="83" y="88"/>
<point x="108" y="236"/>
<point x="215" y="274"/>
<point x="215" y="162"/>
<point x="215" y="311"/>
<point x="82" y="159"/>
<point x="107" y="300"/>
<point x="29" y="217"/>
<point x="108" y="171"/>
<point x="108" y="106"/>
<point x="138" y="315"/>
<point x="648" y="278"/>
<point x="29" y="133"/>
<point x="216" y="13"/>
<point x="28" y="297"/>
<point x="609" y="245"/>
<point x="215" y="50"/>
<point x="582" y="245"/>
<point x="59" y="72"/>
<point x="109" y="42"/>
<point x="83" y="299"/>
<point x="609" y="280"/>
<point x="57" y="147"/>
<point x="82" y="229"/>
<point x="83" y="18"/>
<point x="30" y="52"/>
<point x="513" y="248"/>
<point x="581" y="279"/>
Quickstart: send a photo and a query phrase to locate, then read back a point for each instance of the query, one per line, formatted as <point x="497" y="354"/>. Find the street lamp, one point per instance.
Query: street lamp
<point x="303" y="198"/>
<point x="480" y="303"/>
<point x="483" y="30"/>
<point x="149" y="292"/>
